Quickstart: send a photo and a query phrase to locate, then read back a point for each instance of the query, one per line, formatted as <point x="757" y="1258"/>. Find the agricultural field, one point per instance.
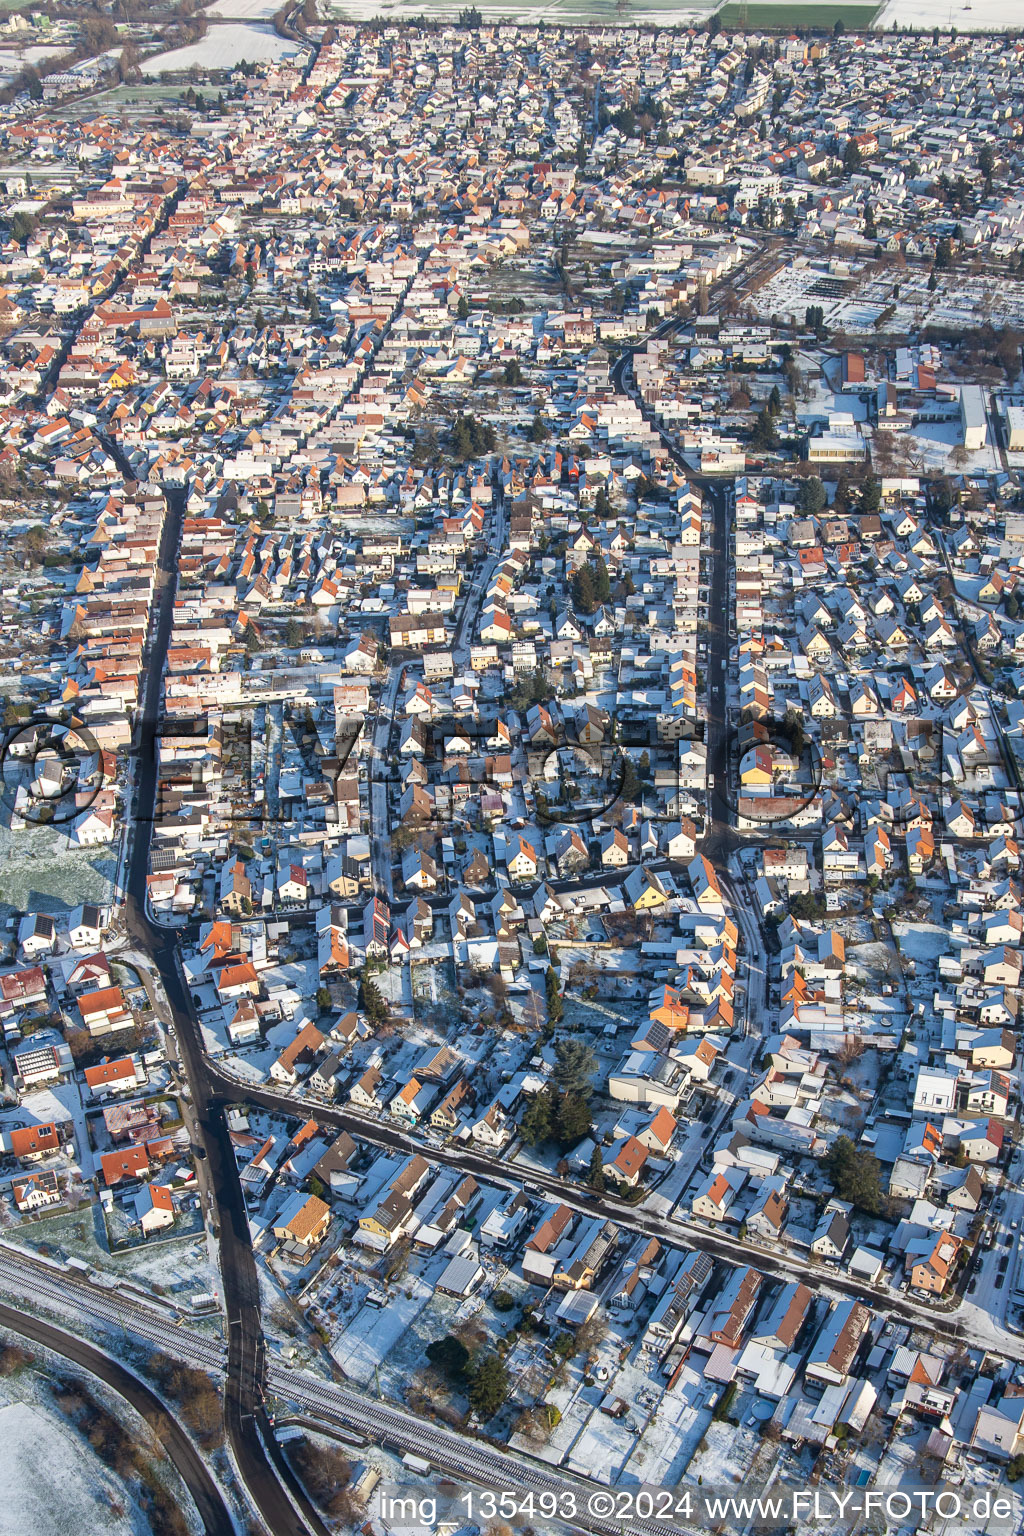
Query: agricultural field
<point x="552" y="12"/>
<point x="242" y="10"/>
<point x="972" y="16"/>
<point x="77" y="1492"/>
<point x="225" y="46"/>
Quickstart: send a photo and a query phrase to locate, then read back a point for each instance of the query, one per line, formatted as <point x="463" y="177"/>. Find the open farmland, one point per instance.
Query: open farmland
<point x="566" y="12"/>
<point x="224" y="47"/>
<point x="242" y="10"/>
<point x="975" y="16"/>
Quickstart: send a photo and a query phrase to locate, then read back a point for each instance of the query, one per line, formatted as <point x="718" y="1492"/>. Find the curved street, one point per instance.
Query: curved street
<point x="188" y="1461"/>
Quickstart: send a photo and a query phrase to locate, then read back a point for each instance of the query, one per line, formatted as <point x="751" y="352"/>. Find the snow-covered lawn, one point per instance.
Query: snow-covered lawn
<point x="13" y="60"/>
<point x="603" y="1447"/>
<point x="935" y="441"/>
<point x="361" y="1347"/>
<point x="672" y="1436"/>
<point x="225" y="46"/>
<point x="725" y="1455"/>
<point x="870" y="957"/>
<point x="922" y="941"/>
<point x="576" y="1404"/>
<point x="41" y="872"/>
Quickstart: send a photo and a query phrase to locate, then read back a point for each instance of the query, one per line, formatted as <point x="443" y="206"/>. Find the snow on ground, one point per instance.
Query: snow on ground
<point x="176" y="1267"/>
<point x="933" y="442"/>
<point x="603" y="1446"/>
<point x="550" y="11"/>
<point x="396" y="986"/>
<point x="725" y="1454"/>
<point x="671" y="1438"/>
<point x="41" y="872"/>
<point x="61" y="1102"/>
<point x="922" y="941"/>
<point x="242" y="10"/>
<point x="975" y="16"/>
<point x="225" y="46"/>
<point x="872" y="956"/>
<point x="575" y="1406"/>
<point x="686" y="1160"/>
<point x="75" y="1492"/>
<point x="15" y="59"/>
<point x="279" y="1322"/>
<point x="962" y="300"/>
<point x="607" y="1443"/>
<point x="361" y="1347"/>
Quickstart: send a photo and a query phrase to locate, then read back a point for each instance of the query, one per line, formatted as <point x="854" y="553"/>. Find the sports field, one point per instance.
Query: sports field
<point x="783" y="18"/>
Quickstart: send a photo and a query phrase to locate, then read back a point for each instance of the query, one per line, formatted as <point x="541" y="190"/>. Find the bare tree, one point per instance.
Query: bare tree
<point x="590" y="1335"/>
<point x="851" y="1050"/>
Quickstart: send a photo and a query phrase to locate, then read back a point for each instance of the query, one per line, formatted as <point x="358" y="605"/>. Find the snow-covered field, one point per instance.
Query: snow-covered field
<point x="50" y="1481"/>
<point x="566" y="12"/>
<point x="242" y="10"/>
<point x="931" y="447"/>
<point x="226" y="45"/>
<point x="14" y="59"/>
<point x="976" y="16"/>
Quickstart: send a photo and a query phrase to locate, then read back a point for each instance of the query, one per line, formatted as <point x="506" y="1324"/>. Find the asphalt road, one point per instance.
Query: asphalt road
<point x="721" y="838"/>
<point x="263" y="1470"/>
<point x="266" y="1475"/>
<point x="777" y="1261"/>
<point x="190" y="1465"/>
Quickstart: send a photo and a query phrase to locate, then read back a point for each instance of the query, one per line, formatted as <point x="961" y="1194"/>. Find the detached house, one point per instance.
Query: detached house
<point x="303" y="1222"/>
<point x="932" y="1269"/>
<point x="521" y="860"/>
<point x="832" y="1232"/>
<point x="717" y="1200"/>
<point x="297" y="1058"/>
<point x="767" y="1216"/>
